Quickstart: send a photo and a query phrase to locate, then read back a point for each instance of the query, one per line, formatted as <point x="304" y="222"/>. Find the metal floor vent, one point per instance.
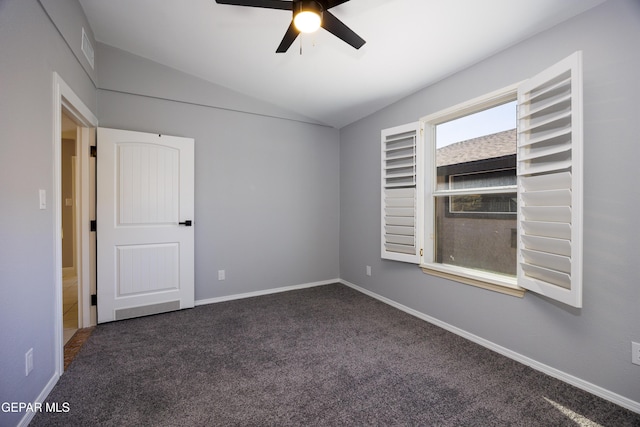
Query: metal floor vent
<point x="146" y="310"/>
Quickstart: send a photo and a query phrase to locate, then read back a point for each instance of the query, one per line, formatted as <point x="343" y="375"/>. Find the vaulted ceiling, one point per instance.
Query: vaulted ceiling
<point x="409" y="45"/>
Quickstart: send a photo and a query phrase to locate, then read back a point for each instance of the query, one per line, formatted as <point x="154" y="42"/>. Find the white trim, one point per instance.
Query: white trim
<point x="484" y="276"/>
<point x="538" y="366"/>
<point x="265" y="292"/>
<point x="476" y="104"/>
<point x="63" y="96"/>
<point x="28" y="416"/>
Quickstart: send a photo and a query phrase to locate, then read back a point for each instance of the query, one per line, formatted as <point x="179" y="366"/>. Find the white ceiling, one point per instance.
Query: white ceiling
<point x="410" y="44"/>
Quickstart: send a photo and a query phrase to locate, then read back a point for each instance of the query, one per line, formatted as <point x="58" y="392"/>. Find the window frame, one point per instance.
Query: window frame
<point x="549" y="159"/>
<point x="493" y="281"/>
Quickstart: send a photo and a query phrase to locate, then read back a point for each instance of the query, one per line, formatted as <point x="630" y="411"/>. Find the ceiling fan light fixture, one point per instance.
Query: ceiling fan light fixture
<point x="307" y="22"/>
<point x="307" y="16"/>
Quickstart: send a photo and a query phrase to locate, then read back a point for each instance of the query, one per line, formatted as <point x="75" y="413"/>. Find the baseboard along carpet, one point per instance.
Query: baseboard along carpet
<point x="322" y="356"/>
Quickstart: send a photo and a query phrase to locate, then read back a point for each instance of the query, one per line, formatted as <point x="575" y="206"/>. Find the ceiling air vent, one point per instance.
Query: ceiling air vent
<point x="87" y="49"/>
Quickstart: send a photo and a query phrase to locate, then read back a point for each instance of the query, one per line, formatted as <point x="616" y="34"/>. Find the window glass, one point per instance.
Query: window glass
<point x="476" y="228"/>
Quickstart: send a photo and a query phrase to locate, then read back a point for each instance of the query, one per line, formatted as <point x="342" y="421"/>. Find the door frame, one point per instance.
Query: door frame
<point x="65" y="98"/>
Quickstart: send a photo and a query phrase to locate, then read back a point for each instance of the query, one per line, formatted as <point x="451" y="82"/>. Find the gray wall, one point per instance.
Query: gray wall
<point x="30" y="50"/>
<point x="125" y="72"/>
<point x="593" y="343"/>
<point x="69" y="19"/>
<point x="267" y="188"/>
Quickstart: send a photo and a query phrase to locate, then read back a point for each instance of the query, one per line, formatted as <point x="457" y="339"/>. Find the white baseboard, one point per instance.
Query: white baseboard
<point x="553" y="372"/>
<point x="28" y="416"/>
<point x="265" y="292"/>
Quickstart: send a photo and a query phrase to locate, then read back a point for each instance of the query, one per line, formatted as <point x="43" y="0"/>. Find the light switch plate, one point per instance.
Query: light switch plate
<point x="43" y="198"/>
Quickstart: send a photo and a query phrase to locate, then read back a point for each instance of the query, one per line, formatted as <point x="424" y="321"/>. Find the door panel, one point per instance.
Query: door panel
<point x="145" y="255"/>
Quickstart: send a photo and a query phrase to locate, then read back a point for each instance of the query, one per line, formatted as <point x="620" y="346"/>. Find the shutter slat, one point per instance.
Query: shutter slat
<point x="549" y="261"/>
<point x="536" y="94"/>
<point x="547" y="198"/>
<point x="558" y="230"/>
<point x="551" y="214"/>
<point x="536" y="152"/>
<point x="401" y="239"/>
<point x="400" y="221"/>
<point x="547" y="244"/>
<point x="400" y="192"/>
<point x="403" y="231"/>
<point x="401" y="202"/>
<point x="544" y="167"/>
<point x="400" y="249"/>
<point x="546" y="275"/>
<point x="557" y="120"/>
<point x="546" y="182"/>
<point x="549" y="136"/>
<point x="410" y="212"/>
<point x="560" y="103"/>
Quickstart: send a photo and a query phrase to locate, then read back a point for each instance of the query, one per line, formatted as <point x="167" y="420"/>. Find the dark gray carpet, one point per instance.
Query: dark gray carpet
<point x="319" y="356"/>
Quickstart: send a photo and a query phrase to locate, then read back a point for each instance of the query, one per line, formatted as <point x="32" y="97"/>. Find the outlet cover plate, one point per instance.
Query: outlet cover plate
<point x="635" y="353"/>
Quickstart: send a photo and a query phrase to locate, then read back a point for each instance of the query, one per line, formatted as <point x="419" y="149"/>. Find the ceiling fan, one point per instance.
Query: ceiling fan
<point x="308" y="16"/>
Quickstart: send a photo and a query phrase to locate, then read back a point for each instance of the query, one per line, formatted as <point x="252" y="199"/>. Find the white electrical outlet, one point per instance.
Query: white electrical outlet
<point x="221" y="275"/>
<point x="368" y="270"/>
<point x="635" y="353"/>
<point x="28" y="362"/>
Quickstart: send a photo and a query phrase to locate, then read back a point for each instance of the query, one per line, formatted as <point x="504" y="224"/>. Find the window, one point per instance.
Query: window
<point x="489" y="192"/>
<point x="471" y="176"/>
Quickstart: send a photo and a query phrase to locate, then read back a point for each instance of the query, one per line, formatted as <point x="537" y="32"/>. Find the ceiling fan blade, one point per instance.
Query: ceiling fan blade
<point x="328" y="4"/>
<point x="267" y="4"/>
<point x="338" y="29"/>
<point x="288" y="39"/>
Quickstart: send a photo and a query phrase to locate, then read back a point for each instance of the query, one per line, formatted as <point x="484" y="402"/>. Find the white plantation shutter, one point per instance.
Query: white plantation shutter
<point x="401" y="195"/>
<point x="550" y="182"/>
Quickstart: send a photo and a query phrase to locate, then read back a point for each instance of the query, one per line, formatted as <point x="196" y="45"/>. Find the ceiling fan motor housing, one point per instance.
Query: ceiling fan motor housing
<point x="307" y="6"/>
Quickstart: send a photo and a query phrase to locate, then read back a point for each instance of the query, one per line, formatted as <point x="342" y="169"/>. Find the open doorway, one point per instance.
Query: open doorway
<point x="74" y="194"/>
<point x="71" y="286"/>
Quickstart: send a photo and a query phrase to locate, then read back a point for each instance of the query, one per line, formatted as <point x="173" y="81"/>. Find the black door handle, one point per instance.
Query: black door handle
<point x="187" y="223"/>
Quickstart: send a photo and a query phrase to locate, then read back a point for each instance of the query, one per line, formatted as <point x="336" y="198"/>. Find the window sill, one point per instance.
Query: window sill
<point x="488" y="281"/>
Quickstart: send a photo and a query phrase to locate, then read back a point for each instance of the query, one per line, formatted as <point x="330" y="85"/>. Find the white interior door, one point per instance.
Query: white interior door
<point x="145" y="204"/>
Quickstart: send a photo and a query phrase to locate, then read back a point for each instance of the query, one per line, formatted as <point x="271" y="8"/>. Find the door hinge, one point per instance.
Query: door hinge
<point x="93" y="225"/>
<point x="421" y="252"/>
<point x="93" y="151"/>
<point x="94" y="299"/>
